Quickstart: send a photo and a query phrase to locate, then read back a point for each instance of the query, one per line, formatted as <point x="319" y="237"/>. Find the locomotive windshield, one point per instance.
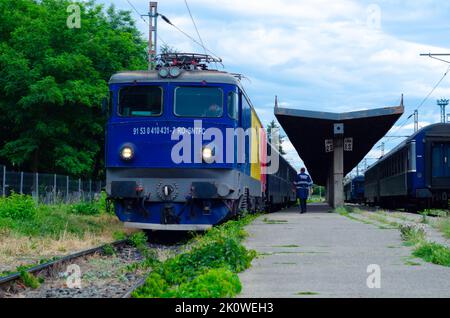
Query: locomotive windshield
<point x="198" y="102"/>
<point x="137" y="101"/>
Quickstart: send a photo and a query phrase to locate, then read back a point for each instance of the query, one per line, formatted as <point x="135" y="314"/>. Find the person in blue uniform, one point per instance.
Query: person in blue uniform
<point x="303" y="185"/>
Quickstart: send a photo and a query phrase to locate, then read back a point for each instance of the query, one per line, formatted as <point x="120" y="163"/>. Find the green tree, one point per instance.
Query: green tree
<point x="273" y="125"/>
<point x="53" y="79"/>
<point x="165" y="48"/>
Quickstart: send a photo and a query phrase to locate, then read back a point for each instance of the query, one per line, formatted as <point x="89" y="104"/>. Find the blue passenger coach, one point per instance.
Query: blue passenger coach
<point x="354" y="190"/>
<point x="415" y="174"/>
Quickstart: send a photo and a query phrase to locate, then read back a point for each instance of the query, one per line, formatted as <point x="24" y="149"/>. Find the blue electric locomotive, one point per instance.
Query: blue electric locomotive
<point x="169" y="163"/>
<point x="354" y="190"/>
<point x="414" y="175"/>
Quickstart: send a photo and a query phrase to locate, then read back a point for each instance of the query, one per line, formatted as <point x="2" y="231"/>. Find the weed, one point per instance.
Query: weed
<point x="433" y="253"/>
<point x="412" y="263"/>
<point x="307" y="293"/>
<point x="342" y="210"/>
<point x="287" y="246"/>
<point x="269" y="221"/>
<point x="109" y="250"/>
<point x="214" y="283"/>
<point x="29" y="280"/>
<point x="424" y="219"/>
<point x="18" y="207"/>
<point x="411" y="233"/>
<point x="443" y="226"/>
<point x="207" y="269"/>
<point x="85" y="208"/>
<point x="436" y="212"/>
<point x="138" y="239"/>
<point x="119" y="235"/>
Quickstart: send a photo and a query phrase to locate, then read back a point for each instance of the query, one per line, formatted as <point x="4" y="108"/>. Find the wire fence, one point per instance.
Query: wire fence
<point x="48" y="188"/>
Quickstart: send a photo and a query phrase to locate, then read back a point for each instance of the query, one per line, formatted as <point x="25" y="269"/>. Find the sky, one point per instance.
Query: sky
<point x="330" y="55"/>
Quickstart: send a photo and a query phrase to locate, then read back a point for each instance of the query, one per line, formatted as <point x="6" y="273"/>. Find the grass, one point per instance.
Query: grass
<point x="208" y="269"/>
<point x="30" y="232"/>
<point x="412" y="263"/>
<point x="307" y="293"/>
<point x="29" y="280"/>
<point x="109" y="250"/>
<point x="433" y="253"/>
<point x="287" y="246"/>
<point x="270" y="221"/>
<point x="437" y="212"/>
<point x="443" y="225"/>
<point x="414" y="235"/>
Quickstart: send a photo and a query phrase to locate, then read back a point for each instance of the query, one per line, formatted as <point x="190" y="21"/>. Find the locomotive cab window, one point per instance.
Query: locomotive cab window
<point x="140" y="101"/>
<point x="233" y="105"/>
<point x="204" y="102"/>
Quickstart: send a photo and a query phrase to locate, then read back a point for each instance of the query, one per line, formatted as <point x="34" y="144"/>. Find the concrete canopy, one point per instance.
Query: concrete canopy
<point x="308" y="130"/>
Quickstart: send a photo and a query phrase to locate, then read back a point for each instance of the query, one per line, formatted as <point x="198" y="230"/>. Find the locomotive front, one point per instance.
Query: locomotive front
<point x="169" y="166"/>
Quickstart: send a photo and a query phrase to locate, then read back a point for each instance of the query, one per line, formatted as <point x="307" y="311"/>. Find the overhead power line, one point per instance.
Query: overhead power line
<point x="143" y="19"/>
<point x="195" y="26"/>
<point x="188" y="36"/>
<point x="424" y="100"/>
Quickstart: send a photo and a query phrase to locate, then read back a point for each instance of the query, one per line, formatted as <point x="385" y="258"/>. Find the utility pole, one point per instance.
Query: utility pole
<point x="152" y="34"/>
<point x="416" y="120"/>
<point x="442" y="103"/>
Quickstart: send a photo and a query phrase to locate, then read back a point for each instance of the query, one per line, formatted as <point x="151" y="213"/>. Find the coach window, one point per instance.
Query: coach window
<point x="233" y="105"/>
<point x="206" y="102"/>
<point x="140" y="101"/>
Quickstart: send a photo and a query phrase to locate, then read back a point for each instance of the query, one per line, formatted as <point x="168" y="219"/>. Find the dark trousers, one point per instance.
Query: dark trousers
<point x="303" y="205"/>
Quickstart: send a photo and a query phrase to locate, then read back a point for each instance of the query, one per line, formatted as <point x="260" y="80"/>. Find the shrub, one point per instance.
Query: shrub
<point x="139" y="240"/>
<point x="208" y="269"/>
<point x="155" y="286"/>
<point x="215" y="283"/>
<point x="412" y="234"/>
<point x="109" y="250"/>
<point x="18" y="207"/>
<point x="102" y="203"/>
<point x="85" y="208"/>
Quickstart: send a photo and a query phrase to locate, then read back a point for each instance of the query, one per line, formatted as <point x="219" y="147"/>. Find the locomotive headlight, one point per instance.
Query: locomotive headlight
<point x="127" y="153"/>
<point x="207" y="154"/>
<point x="174" y="72"/>
<point x="164" y="72"/>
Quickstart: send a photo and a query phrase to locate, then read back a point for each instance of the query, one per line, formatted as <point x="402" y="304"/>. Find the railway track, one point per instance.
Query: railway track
<point x="8" y="284"/>
<point x="103" y="275"/>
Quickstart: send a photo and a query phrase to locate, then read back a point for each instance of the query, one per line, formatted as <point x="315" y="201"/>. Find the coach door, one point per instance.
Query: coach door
<point x="440" y="164"/>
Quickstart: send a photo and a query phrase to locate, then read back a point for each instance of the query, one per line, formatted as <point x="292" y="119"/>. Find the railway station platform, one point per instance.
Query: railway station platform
<point x="324" y="254"/>
<point x="332" y="144"/>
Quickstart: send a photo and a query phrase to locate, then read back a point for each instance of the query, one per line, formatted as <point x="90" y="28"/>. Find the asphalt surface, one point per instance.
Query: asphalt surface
<point x="323" y="254"/>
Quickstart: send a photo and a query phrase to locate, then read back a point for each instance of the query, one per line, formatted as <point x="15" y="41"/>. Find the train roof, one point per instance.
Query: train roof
<point x="354" y="179"/>
<point x="194" y="76"/>
<point x="438" y="127"/>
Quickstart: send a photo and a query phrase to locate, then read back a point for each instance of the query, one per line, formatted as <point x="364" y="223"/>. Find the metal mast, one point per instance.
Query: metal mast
<point x="442" y="103"/>
<point x="153" y="36"/>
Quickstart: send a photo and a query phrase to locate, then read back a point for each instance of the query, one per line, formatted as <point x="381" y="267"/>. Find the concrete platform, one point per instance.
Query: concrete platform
<point x="322" y="254"/>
